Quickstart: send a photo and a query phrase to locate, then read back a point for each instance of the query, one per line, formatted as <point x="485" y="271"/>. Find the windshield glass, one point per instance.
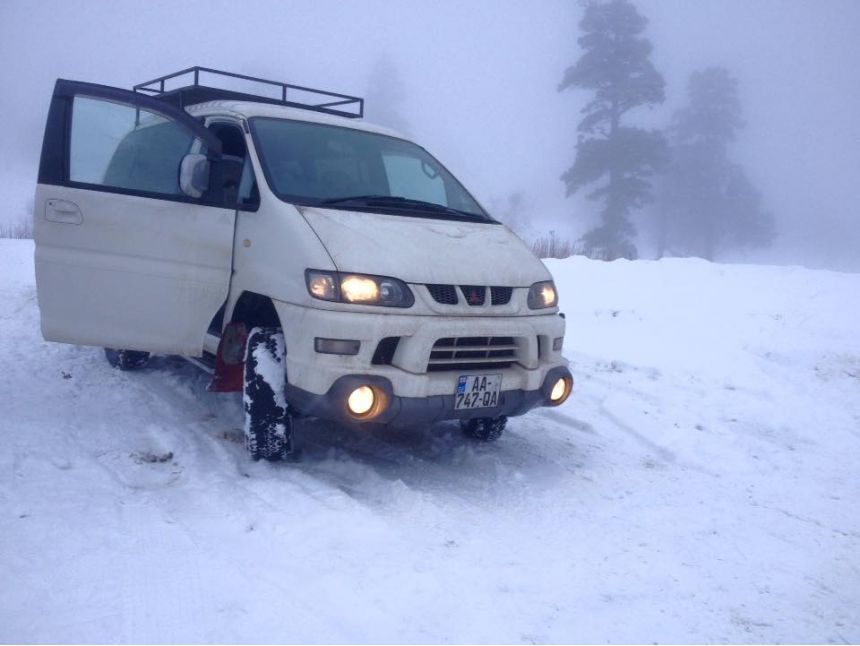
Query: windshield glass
<point x="336" y="167"/>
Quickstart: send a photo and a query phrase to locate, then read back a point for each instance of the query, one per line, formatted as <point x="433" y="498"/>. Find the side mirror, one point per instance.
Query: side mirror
<point x="194" y="175"/>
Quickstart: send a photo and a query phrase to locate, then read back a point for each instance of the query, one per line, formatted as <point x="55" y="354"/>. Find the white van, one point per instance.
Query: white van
<point x="322" y="265"/>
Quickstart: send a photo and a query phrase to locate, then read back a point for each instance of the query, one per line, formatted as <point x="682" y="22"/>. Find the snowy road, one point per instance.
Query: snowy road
<point x="701" y="485"/>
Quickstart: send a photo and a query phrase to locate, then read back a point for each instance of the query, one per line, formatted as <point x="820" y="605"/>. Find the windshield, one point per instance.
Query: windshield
<point x="336" y="167"/>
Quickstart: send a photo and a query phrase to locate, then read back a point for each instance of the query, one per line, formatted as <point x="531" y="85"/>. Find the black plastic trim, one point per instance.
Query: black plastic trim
<point x="52" y="164"/>
<point x="385" y="350"/>
<point x="414" y="411"/>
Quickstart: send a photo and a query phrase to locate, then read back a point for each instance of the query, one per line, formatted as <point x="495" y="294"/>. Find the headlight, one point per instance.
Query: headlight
<point x="542" y="295"/>
<point x="358" y="288"/>
<point x="322" y="284"/>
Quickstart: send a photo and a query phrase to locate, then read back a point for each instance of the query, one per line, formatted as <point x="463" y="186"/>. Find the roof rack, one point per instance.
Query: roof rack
<point x="308" y="98"/>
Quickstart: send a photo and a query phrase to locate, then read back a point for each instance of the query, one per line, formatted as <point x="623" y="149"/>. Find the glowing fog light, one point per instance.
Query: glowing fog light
<point x="361" y="400"/>
<point x="560" y="391"/>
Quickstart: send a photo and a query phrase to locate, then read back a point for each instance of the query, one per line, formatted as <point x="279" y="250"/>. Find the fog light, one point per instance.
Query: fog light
<point x="361" y="400"/>
<point x="560" y="390"/>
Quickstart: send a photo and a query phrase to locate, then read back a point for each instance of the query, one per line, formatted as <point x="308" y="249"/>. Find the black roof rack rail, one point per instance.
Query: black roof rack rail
<point x="341" y="105"/>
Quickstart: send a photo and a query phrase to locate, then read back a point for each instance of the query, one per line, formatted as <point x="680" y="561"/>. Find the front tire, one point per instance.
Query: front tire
<point x="126" y="359"/>
<point x="268" y="425"/>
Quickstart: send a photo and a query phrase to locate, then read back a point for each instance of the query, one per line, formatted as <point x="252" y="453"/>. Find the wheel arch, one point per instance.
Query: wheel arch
<point x="254" y="310"/>
<point x="250" y="310"/>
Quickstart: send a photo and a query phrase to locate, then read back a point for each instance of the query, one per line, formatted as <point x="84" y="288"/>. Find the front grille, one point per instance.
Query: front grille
<point x="472" y="353"/>
<point x="501" y="295"/>
<point x="444" y="294"/>
<point x="474" y="294"/>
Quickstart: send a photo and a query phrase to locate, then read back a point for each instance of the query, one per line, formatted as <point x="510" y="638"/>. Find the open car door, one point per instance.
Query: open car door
<point x="124" y="258"/>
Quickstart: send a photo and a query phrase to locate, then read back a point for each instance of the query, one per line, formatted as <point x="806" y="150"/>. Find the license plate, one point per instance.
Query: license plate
<point x="477" y="391"/>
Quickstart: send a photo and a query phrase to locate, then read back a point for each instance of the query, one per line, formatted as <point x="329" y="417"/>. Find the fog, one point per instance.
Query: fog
<point x="478" y="85"/>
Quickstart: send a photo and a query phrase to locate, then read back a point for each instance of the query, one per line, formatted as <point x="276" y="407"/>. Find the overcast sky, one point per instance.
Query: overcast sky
<point x="480" y="81"/>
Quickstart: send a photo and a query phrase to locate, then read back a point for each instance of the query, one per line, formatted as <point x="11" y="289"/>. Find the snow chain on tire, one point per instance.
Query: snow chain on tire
<point x="268" y="427"/>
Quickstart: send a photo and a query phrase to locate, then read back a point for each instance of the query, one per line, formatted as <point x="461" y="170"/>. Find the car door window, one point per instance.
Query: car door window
<point x="120" y="146"/>
<point x="235" y="148"/>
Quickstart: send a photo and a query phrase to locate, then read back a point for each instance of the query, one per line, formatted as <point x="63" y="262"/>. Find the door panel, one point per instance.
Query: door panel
<point x="123" y="258"/>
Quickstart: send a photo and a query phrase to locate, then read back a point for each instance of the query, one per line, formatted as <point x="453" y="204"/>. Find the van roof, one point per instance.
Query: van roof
<point x="250" y="109"/>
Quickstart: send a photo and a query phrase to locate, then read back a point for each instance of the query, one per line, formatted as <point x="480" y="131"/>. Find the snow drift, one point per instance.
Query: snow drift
<point x="701" y="485"/>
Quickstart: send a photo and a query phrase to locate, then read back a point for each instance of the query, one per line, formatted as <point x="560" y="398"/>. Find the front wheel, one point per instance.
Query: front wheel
<point x="126" y="359"/>
<point x="268" y="426"/>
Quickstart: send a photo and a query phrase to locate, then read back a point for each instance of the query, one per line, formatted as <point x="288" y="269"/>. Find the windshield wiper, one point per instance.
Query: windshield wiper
<point x="405" y="202"/>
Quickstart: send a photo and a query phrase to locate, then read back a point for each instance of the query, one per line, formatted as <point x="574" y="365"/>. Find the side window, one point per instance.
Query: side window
<point x="120" y="146"/>
<point x="234" y="148"/>
<point x="413" y="178"/>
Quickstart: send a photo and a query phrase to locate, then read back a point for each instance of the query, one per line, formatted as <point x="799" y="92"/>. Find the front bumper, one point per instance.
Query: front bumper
<point x="416" y="411"/>
<point x="319" y="383"/>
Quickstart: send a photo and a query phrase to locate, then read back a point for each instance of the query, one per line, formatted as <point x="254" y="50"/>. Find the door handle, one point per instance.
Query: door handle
<point x="63" y="211"/>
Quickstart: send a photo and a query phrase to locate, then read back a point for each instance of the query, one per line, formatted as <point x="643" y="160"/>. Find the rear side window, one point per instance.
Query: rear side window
<point x="120" y="146"/>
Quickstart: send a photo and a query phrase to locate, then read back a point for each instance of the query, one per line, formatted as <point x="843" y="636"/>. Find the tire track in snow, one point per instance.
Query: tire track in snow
<point x="160" y="579"/>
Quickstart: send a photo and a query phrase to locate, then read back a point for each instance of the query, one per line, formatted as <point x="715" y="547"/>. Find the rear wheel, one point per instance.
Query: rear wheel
<point x="126" y="359"/>
<point x="268" y="425"/>
<point x="486" y="429"/>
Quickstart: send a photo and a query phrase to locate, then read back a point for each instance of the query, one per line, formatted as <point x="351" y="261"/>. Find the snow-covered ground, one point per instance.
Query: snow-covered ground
<point x="703" y="485"/>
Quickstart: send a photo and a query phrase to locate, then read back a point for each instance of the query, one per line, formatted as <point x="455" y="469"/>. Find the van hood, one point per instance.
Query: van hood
<point x="424" y="250"/>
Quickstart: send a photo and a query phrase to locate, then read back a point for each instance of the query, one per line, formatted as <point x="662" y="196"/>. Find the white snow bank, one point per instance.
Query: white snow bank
<point x="716" y="319"/>
<point x="701" y="485"/>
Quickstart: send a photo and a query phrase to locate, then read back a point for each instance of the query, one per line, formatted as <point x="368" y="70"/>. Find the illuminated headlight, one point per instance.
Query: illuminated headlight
<point x="360" y="289"/>
<point x="542" y="295"/>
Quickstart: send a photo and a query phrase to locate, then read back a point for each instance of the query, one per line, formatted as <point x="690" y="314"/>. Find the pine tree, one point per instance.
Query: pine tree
<point x="708" y="201"/>
<point x="616" y="158"/>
